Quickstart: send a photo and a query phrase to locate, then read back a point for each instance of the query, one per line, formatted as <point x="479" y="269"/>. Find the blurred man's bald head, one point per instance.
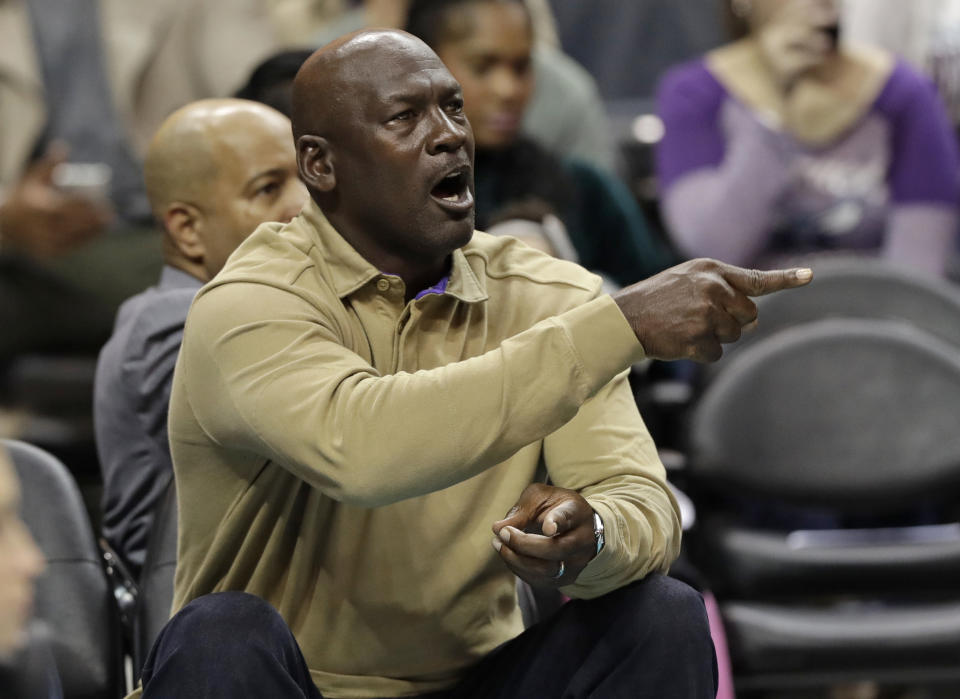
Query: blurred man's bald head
<point x="214" y="171"/>
<point x="183" y="158"/>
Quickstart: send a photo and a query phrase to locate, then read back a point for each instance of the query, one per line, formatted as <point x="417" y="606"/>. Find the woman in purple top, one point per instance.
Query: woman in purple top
<point x="786" y="143"/>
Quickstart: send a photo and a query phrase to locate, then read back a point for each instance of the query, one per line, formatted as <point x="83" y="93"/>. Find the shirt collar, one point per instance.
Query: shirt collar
<point x="350" y="271"/>
<point x="173" y="278"/>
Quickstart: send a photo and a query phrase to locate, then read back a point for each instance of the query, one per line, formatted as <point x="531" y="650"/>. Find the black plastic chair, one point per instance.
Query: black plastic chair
<point x="73" y="597"/>
<point x="54" y="394"/>
<point x="859" y="421"/>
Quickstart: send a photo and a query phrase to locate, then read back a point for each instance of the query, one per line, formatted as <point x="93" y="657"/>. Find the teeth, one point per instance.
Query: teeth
<point x="452" y="198"/>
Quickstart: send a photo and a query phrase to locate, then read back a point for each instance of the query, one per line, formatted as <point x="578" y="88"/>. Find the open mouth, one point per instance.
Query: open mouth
<point x="453" y="191"/>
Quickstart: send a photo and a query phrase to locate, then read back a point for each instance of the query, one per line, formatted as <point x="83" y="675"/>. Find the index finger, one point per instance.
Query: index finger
<point x="755" y="282"/>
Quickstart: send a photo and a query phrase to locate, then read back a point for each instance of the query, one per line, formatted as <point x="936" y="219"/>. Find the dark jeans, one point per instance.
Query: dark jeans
<point x="649" y="640"/>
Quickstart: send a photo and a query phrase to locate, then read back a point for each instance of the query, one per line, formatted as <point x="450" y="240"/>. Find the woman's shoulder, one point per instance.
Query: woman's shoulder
<point x="690" y="91"/>
<point x="906" y="89"/>
<point x="691" y="81"/>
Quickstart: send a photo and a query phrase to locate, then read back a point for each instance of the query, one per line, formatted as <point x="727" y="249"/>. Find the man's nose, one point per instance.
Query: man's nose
<point x="449" y="134"/>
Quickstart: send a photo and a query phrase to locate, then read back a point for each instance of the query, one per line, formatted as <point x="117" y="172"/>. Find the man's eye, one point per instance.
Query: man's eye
<point x="455" y="106"/>
<point x="268" y="189"/>
<point x="405" y="115"/>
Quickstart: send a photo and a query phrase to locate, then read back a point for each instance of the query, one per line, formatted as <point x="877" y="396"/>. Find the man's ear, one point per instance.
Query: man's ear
<point x="315" y="162"/>
<point x="184" y="223"/>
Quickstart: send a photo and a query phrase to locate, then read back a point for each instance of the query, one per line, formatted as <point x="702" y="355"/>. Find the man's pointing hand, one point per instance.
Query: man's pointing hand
<point x="689" y="311"/>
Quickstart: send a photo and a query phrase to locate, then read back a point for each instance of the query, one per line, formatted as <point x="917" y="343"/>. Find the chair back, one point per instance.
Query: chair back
<point x="73" y="597"/>
<point x="853" y="414"/>
<point x="156" y="580"/>
<point x="862" y="287"/>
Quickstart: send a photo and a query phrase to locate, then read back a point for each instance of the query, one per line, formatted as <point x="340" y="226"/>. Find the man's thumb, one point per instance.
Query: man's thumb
<point x="558" y="519"/>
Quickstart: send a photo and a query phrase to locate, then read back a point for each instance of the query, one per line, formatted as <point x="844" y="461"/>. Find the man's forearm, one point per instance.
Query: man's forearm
<point x="369" y="440"/>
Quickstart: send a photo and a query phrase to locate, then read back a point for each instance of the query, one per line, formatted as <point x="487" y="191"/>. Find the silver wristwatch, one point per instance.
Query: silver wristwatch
<point x="598" y="532"/>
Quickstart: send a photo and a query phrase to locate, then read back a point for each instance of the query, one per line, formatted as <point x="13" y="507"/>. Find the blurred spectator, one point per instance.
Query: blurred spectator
<point x="296" y="22"/>
<point x="27" y="668"/>
<point x="565" y="115"/>
<point x="88" y="81"/>
<point x="215" y="170"/>
<point x="627" y="45"/>
<point x="787" y="142"/>
<point x="271" y="82"/>
<point x="487" y="46"/>
<point x="925" y="32"/>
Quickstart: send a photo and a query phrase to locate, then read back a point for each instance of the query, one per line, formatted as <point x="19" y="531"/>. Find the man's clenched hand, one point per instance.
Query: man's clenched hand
<point x="689" y="311"/>
<point x="546" y="526"/>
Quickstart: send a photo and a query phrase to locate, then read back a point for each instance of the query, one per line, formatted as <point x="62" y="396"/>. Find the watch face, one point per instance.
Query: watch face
<point x="598" y="532"/>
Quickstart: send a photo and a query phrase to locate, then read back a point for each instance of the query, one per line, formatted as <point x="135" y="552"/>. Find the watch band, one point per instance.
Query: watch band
<point x="598" y="533"/>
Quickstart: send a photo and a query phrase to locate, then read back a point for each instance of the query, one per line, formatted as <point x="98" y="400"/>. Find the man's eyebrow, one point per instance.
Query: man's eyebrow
<point x="406" y="96"/>
<point x="395" y="97"/>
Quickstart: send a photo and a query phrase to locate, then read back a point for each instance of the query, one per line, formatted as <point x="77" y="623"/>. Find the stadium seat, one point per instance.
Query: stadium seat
<point x="73" y="598"/>
<point x="856" y="420"/>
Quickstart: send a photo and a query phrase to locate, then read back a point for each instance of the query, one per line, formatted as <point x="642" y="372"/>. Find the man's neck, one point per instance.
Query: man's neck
<point x="417" y="275"/>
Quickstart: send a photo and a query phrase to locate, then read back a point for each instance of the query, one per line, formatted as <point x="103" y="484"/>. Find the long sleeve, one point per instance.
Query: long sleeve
<point x="924" y="174"/>
<point x="277" y="381"/>
<point x="719" y="192"/>
<point x="607" y="455"/>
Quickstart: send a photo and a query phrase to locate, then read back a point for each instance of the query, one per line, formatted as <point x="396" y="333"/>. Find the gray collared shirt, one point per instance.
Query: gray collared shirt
<point x="131" y="395"/>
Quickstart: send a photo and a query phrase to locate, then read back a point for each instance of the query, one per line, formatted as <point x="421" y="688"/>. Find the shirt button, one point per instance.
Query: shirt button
<point x="383" y="284"/>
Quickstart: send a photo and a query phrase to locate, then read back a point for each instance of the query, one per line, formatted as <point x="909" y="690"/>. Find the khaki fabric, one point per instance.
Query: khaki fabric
<point x="343" y="454"/>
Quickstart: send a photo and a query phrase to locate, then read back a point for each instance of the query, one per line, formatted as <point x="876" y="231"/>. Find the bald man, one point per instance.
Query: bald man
<point x="366" y="394"/>
<point x="214" y="170"/>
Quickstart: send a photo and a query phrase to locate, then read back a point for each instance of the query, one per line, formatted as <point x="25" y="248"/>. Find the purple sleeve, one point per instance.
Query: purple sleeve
<point x="689" y="101"/>
<point x="924" y="159"/>
<point x="718" y="198"/>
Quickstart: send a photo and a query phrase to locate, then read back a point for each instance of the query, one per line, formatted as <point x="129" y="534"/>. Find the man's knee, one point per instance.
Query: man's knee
<point x="226" y="618"/>
<point x="227" y="644"/>
<point x="669" y="610"/>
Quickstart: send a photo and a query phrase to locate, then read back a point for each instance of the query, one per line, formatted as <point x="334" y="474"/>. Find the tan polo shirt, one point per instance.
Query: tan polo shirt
<point x="343" y="454"/>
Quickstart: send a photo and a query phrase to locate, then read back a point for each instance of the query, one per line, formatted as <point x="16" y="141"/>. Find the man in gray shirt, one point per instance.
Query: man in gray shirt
<point x="214" y="171"/>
